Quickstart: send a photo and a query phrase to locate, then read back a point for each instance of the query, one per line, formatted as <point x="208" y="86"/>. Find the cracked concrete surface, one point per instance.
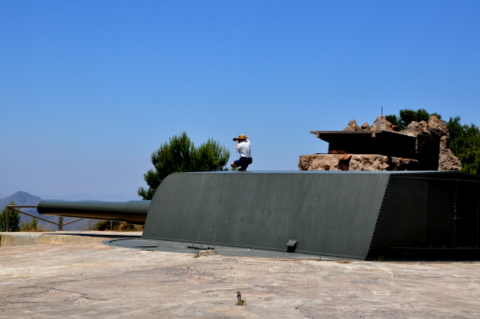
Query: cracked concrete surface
<point x="96" y="280"/>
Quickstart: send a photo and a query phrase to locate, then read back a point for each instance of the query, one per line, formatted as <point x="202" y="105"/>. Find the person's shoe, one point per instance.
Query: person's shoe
<point x="242" y="169"/>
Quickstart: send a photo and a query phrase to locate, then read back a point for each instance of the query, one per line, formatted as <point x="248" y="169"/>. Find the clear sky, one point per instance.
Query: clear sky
<point x="89" y="89"/>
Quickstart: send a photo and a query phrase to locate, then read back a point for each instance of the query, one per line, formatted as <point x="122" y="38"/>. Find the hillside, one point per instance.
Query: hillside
<point x="23" y="198"/>
<point x="20" y="198"/>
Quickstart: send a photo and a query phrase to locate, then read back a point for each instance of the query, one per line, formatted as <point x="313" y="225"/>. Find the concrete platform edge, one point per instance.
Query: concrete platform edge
<point x="55" y="238"/>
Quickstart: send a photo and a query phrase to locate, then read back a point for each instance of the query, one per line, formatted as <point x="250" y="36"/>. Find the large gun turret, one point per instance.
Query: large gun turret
<point x="414" y="215"/>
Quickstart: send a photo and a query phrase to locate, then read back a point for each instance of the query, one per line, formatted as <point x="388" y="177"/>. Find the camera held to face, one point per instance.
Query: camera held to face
<point x="240" y="138"/>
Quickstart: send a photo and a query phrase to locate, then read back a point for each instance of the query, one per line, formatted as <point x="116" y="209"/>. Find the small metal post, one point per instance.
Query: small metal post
<point x="60" y="223"/>
<point x="7" y="215"/>
<point x="239" y="297"/>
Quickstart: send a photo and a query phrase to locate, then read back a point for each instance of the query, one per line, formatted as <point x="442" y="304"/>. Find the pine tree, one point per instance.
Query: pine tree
<point x="465" y="144"/>
<point x="13" y="219"/>
<point x="181" y="155"/>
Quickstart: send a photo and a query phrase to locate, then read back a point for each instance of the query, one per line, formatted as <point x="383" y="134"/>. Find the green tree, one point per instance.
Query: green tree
<point x="181" y="155"/>
<point x="13" y="219"/>
<point x="31" y="226"/>
<point x="465" y="144"/>
<point x="407" y="116"/>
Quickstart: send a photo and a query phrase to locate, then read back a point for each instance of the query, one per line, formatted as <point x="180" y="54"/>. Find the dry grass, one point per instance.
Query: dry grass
<point x="116" y="226"/>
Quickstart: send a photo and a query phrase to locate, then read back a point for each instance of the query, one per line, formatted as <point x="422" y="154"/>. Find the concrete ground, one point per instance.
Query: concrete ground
<point x="92" y="279"/>
<point x="59" y="237"/>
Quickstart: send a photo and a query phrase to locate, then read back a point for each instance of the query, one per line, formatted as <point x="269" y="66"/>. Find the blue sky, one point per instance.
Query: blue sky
<point x="89" y="89"/>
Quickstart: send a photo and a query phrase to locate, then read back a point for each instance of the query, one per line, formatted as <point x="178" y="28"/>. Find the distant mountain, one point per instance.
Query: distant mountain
<point x="20" y="198"/>
<point x="23" y="198"/>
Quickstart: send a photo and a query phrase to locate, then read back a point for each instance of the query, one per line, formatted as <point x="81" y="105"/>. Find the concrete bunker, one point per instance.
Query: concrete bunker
<point x="422" y="146"/>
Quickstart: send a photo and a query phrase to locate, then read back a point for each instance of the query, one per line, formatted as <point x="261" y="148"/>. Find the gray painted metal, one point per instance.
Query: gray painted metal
<point x="327" y="213"/>
<point x="134" y="212"/>
<point x="361" y="215"/>
<point x="430" y="215"/>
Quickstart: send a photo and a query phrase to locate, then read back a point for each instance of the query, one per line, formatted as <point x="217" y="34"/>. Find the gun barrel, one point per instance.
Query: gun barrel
<point x="134" y="212"/>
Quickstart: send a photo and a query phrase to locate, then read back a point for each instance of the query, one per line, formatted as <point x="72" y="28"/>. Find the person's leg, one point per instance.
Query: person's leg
<point x="237" y="163"/>
<point x="244" y="162"/>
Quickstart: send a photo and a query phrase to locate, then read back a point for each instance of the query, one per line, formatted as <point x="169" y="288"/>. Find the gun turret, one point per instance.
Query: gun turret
<point x="416" y="215"/>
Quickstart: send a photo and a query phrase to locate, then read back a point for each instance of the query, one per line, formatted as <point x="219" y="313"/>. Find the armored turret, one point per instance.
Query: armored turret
<point x="360" y="215"/>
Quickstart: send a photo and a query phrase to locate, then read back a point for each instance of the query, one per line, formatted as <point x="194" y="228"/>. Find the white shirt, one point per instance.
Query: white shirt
<point x="244" y="149"/>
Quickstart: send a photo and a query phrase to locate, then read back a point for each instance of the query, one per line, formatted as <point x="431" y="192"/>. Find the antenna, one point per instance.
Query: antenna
<point x="381" y="111"/>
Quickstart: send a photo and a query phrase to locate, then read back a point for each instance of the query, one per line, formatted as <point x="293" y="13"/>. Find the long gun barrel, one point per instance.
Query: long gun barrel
<point x="134" y="212"/>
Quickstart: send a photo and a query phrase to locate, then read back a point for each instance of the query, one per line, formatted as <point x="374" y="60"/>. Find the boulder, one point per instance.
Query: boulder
<point x="437" y="127"/>
<point x="415" y="128"/>
<point x="382" y="124"/>
<point x="352" y="126"/>
<point x="365" y="127"/>
<point x="355" y="162"/>
<point x="319" y="162"/>
<point x="403" y="164"/>
<point x="369" y="162"/>
<point x="448" y="161"/>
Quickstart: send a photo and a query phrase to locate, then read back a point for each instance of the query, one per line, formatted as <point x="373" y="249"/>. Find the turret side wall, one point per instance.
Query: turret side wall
<point x="326" y="213"/>
<point x="429" y="216"/>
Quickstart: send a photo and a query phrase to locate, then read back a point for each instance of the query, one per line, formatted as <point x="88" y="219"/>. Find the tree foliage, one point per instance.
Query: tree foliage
<point x="116" y="226"/>
<point x="465" y="144"/>
<point x="464" y="139"/>
<point x="179" y="154"/>
<point x="33" y="225"/>
<point x="13" y="219"/>
<point x="407" y="116"/>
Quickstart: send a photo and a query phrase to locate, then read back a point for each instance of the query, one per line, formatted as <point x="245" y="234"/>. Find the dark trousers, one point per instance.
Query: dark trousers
<point x="243" y="163"/>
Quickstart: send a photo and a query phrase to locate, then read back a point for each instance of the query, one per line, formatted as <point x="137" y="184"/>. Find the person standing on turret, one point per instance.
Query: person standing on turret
<point x="243" y="147"/>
